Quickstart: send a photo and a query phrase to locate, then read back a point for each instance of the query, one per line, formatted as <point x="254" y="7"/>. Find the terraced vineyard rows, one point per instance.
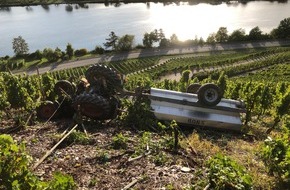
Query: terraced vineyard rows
<point x="123" y="67"/>
<point x="275" y="73"/>
<point x="202" y="65"/>
<point x="213" y="62"/>
<point x="133" y="65"/>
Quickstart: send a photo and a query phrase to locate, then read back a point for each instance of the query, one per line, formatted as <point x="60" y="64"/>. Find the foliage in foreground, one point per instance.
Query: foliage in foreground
<point x="276" y="154"/>
<point x="225" y="173"/>
<point x="15" y="173"/>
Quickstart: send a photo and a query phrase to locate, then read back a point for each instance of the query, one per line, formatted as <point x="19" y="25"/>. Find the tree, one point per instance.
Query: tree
<point x="69" y="51"/>
<point x="57" y="53"/>
<point x="211" y="38"/>
<point x="283" y="30"/>
<point x="111" y="41"/>
<point x="174" y="39"/>
<point x="81" y="52"/>
<point x="222" y="35"/>
<point x="147" y="42"/>
<point x="255" y="34"/>
<point x="150" y="38"/>
<point x="38" y="54"/>
<point x="164" y="43"/>
<point x="161" y="34"/>
<point x="99" y="50"/>
<point x="237" y="35"/>
<point x="125" y="43"/>
<point x="49" y="54"/>
<point x="201" y="41"/>
<point x="20" y="47"/>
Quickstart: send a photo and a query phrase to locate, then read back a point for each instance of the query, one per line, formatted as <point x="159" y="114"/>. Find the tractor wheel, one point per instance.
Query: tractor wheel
<point x="92" y="106"/>
<point x="47" y="109"/>
<point x="66" y="110"/>
<point x="209" y="94"/>
<point x="63" y="88"/>
<point x="193" y="88"/>
<point x="102" y="73"/>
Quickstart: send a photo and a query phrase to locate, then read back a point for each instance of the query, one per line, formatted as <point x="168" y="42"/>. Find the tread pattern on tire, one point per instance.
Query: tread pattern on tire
<point x="112" y="78"/>
<point x="92" y="106"/>
<point x="202" y="94"/>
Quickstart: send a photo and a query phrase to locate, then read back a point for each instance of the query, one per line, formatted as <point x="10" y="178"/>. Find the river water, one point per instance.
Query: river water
<point x="57" y="25"/>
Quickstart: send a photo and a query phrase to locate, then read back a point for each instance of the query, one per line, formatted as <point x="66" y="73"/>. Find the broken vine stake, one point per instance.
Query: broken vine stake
<point x="85" y="130"/>
<point x="52" y="149"/>
<point x="28" y="119"/>
<point x="131" y="184"/>
<point x="54" y="112"/>
<point x="138" y="157"/>
<point x="207" y="187"/>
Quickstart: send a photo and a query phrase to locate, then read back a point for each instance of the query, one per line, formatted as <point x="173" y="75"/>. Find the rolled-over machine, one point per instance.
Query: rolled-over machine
<point x="97" y="97"/>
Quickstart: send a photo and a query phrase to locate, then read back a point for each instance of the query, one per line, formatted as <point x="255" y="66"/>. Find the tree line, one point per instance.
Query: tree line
<point x="155" y="38"/>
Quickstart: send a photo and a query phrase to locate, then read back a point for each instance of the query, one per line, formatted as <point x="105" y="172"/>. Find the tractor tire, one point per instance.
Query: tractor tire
<point x="209" y="94"/>
<point x="47" y="110"/>
<point x="92" y="106"/>
<point x="66" y="110"/>
<point x="63" y="88"/>
<point x="193" y="88"/>
<point x="97" y="73"/>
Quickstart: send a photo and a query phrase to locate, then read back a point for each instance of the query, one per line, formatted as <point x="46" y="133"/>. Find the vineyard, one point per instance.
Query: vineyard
<point x="136" y="151"/>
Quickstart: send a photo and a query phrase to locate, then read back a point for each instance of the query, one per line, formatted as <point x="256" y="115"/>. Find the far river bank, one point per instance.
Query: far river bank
<point x="12" y="3"/>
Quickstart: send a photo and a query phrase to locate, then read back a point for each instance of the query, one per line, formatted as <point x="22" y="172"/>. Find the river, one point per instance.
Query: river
<point x="57" y="25"/>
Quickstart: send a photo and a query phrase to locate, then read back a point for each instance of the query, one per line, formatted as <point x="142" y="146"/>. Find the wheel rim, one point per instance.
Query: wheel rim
<point x="211" y="95"/>
<point x="46" y="111"/>
<point x="64" y="87"/>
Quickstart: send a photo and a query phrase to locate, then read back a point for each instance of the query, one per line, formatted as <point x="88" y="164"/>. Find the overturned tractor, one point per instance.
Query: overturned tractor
<point x="97" y="97"/>
<point x="94" y="96"/>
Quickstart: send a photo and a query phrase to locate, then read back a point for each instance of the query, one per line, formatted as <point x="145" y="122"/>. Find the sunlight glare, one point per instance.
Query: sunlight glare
<point x="189" y="22"/>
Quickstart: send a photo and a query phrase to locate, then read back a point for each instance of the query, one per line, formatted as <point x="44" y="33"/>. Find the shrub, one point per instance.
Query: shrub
<point x="276" y="156"/>
<point x="99" y="50"/>
<point x="61" y="182"/>
<point x="225" y="173"/>
<point x="120" y="141"/>
<point x="15" y="173"/>
<point x="81" y="52"/>
<point x="78" y="138"/>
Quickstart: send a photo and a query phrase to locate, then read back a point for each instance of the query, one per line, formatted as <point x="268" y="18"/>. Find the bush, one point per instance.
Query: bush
<point x="276" y="156"/>
<point x="120" y="141"/>
<point x="81" y="52"/>
<point x="225" y="173"/>
<point x="15" y="173"/>
<point x="99" y="50"/>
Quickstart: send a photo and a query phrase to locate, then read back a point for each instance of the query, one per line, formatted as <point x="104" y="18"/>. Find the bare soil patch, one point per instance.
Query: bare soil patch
<point x="98" y="165"/>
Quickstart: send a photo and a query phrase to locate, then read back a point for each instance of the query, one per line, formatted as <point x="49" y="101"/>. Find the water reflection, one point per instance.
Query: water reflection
<point x="45" y="7"/>
<point x="8" y="9"/>
<point x="29" y="8"/>
<point x="78" y="21"/>
<point x="81" y="5"/>
<point x="69" y="8"/>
